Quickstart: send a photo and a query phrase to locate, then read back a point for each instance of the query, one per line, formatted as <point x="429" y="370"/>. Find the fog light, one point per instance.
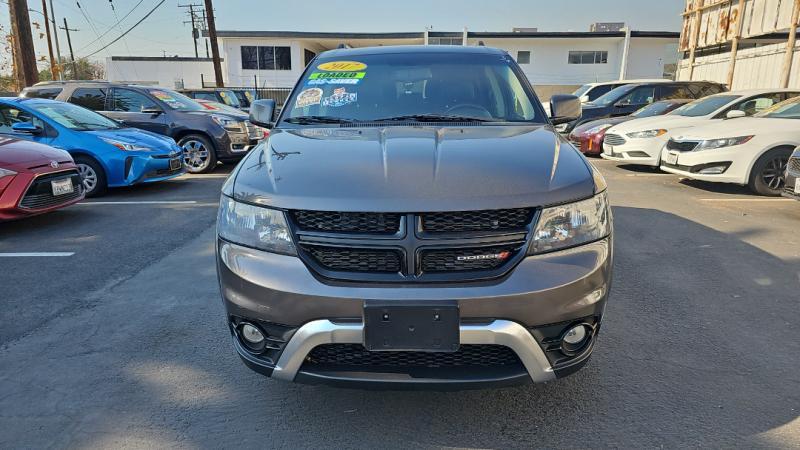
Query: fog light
<point x="715" y="170"/>
<point x="575" y="339"/>
<point x="251" y="334"/>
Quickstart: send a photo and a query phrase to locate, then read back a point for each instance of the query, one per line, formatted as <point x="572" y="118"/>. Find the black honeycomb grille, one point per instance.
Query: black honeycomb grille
<point x="356" y="260"/>
<point x="685" y="146"/>
<point x="466" y="221"/>
<point x="347" y="222"/>
<point x="466" y="259"/>
<point x="466" y="356"/>
<point x="794" y="165"/>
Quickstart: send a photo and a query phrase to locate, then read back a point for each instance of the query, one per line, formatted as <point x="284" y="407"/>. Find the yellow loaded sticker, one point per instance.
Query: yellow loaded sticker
<point x="342" y="66"/>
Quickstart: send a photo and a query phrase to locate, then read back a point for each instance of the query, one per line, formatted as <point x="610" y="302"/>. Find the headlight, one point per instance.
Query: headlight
<point x="572" y="224"/>
<point x="710" y="144"/>
<point x="6" y="172"/>
<point x="228" y="123"/>
<point x="646" y="133"/>
<point x="125" y="146"/>
<point x="254" y="226"/>
<point x="598" y="128"/>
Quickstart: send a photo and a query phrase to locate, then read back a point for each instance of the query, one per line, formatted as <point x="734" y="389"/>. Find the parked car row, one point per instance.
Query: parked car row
<point x="63" y="141"/>
<point x="739" y="137"/>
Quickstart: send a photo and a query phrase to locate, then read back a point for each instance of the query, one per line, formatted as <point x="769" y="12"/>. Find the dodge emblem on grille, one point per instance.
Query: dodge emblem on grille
<point x="54" y="164"/>
<point x="500" y="256"/>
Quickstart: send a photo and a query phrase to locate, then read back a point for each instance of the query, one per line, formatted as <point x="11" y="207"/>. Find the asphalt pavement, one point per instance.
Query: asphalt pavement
<point x="114" y="336"/>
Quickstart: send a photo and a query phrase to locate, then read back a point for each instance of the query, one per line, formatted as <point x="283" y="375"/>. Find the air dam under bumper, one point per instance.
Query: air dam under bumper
<point x="545" y="289"/>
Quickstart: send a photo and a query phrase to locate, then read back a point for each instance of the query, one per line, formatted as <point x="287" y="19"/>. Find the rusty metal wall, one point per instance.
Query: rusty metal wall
<point x="718" y="20"/>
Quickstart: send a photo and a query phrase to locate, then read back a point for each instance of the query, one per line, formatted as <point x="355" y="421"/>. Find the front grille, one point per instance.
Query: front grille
<point x="466" y="259"/>
<point x="471" y="221"/>
<point x="355" y="260"/>
<point x="794" y="165"/>
<point x="40" y="193"/>
<point x="681" y="146"/>
<point x="347" y="222"/>
<point x="467" y="356"/>
<point x="614" y="139"/>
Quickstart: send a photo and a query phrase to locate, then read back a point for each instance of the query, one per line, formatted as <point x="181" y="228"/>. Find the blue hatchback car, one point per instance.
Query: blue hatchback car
<point x="107" y="153"/>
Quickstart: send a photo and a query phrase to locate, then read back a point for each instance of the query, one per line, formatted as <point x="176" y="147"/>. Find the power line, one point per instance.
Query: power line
<point x="126" y="31"/>
<point x="112" y="27"/>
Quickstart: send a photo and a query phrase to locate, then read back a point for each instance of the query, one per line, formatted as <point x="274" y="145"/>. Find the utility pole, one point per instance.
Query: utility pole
<point x="205" y="21"/>
<point x="194" y="16"/>
<point x="53" y="64"/>
<point x="55" y="35"/>
<point x="23" y="42"/>
<point x="71" y="53"/>
<point x="212" y="35"/>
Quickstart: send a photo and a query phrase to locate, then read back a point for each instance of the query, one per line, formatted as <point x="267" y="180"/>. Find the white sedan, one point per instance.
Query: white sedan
<point x="750" y="151"/>
<point x="640" y="141"/>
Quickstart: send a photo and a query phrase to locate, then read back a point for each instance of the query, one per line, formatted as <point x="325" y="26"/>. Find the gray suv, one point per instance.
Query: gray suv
<point x="205" y="136"/>
<point x="414" y="220"/>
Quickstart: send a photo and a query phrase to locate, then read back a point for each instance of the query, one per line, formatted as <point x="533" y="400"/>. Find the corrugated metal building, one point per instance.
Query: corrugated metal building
<point x="743" y="43"/>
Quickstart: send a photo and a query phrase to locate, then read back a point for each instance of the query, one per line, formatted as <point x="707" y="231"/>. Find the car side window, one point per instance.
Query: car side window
<point x="670" y="92"/>
<point x="754" y="105"/>
<point x="639" y="96"/>
<point x="48" y="93"/>
<point x="206" y="96"/>
<point x="90" y="98"/>
<point x="595" y="93"/>
<point x="10" y="115"/>
<point x="126" y="100"/>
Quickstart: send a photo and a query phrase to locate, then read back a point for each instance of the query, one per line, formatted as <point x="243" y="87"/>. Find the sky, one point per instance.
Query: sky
<point x="164" y="32"/>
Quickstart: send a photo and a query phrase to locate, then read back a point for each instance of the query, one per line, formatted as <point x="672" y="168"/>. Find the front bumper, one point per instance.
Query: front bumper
<point x="642" y="153"/>
<point x="150" y="168"/>
<point x="556" y="288"/>
<point x="792" y="187"/>
<point x="13" y="190"/>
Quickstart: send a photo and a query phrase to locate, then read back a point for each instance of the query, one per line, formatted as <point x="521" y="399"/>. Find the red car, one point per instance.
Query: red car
<point x="35" y="179"/>
<point x="588" y="137"/>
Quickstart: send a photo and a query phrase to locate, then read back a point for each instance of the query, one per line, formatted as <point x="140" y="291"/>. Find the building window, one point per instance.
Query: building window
<point x="266" y="58"/>
<point x="445" y="41"/>
<point x="523" y="57"/>
<point x="308" y="55"/>
<point x="588" y="57"/>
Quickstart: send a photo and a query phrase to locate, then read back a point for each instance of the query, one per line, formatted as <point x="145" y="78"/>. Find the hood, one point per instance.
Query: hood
<point x="668" y="122"/>
<point x="140" y="137"/>
<point x="18" y="154"/>
<point x="210" y="112"/>
<point x="743" y="126"/>
<point x="412" y="169"/>
<point x="594" y="123"/>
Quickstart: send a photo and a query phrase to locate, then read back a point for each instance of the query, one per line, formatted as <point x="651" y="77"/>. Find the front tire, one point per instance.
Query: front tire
<point x="767" y="176"/>
<point x="93" y="176"/>
<point x="199" y="155"/>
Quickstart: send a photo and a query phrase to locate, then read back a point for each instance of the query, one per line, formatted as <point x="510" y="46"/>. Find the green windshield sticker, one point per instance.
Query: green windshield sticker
<point x="335" y="78"/>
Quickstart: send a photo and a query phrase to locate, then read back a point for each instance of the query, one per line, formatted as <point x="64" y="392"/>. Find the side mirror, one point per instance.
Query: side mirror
<point x="25" y="128"/>
<point x="152" y="110"/>
<point x="564" y="109"/>
<point x="584" y="99"/>
<point x="262" y="113"/>
<point x="735" y="113"/>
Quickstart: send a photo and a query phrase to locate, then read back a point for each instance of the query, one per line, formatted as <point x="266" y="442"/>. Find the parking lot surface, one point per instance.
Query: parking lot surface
<point x="112" y="334"/>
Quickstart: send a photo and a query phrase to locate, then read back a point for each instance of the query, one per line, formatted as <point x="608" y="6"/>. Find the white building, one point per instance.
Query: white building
<point x="555" y="62"/>
<point x="169" y="71"/>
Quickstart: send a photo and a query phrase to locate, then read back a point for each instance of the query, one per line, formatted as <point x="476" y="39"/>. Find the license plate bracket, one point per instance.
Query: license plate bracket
<point x="671" y="158"/>
<point x="175" y="164"/>
<point x="411" y="326"/>
<point x="797" y="185"/>
<point x="62" y="186"/>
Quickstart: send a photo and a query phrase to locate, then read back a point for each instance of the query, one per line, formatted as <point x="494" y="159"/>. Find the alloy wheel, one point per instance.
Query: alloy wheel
<point x="89" y="176"/>
<point x="195" y="155"/>
<point x="773" y="173"/>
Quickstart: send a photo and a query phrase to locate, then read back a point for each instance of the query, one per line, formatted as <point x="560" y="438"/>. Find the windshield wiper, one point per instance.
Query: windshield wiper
<point x="307" y="120"/>
<point x="434" y="118"/>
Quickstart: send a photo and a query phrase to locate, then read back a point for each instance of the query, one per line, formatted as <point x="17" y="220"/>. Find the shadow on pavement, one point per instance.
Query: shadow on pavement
<point x="698" y="348"/>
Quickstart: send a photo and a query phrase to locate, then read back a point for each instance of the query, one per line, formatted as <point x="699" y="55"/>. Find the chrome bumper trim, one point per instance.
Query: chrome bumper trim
<point x="500" y="332"/>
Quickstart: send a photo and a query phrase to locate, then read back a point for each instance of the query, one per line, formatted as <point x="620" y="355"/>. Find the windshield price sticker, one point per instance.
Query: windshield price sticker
<point x="317" y="78"/>
<point x="309" y="97"/>
<point x="340" y="97"/>
<point x="342" y="66"/>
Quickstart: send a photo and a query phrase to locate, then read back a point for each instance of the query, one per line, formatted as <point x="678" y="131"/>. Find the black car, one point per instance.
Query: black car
<point x="224" y="96"/>
<point x="626" y="99"/>
<point x="205" y="136"/>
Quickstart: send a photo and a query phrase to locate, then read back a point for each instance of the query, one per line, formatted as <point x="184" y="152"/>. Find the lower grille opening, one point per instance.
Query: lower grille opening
<point x="40" y="193"/>
<point x="354" y="356"/>
<point x="348" y="259"/>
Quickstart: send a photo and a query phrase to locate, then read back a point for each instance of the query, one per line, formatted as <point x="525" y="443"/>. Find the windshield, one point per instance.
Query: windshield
<point x="613" y="95"/>
<point x="582" y="90"/>
<point x="654" y="109"/>
<point x="177" y="101"/>
<point x="230" y="98"/>
<point x="704" y="106"/>
<point x="75" y="117"/>
<point x="427" y="86"/>
<point x="788" y="109"/>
